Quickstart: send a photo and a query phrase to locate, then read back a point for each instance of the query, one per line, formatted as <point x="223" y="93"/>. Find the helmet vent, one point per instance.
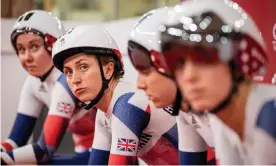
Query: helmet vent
<point x="28" y="16"/>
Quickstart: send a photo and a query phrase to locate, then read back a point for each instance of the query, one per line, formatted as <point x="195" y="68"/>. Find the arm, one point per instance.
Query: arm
<point x="192" y="148"/>
<point x="102" y="141"/>
<point x="61" y="110"/>
<point x="29" y="110"/>
<point x="128" y="122"/>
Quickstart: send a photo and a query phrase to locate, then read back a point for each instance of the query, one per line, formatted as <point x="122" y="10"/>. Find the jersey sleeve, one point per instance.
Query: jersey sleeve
<point x="63" y="102"/>
<point x="264" y="148"/>
<point x="60" y="112"/>
<point x="192" y="147"/>
<point x="29" y="109"/>
<point x="102" y="141"/>
<point x="128" y="121"/>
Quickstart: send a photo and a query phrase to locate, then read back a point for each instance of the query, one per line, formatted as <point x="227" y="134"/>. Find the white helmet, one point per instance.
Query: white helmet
<point x="214" y="30"/>
<point x="223" y="24"/>
<point x="92" y="40"/>
<point x="145" y="32"/>
<point x="144" y="41"/>
<point x="41" y="23"/>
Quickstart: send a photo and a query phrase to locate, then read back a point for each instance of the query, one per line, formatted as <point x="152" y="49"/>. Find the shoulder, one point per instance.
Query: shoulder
<point x="267" y="117"/>
<point x="31" y="81"/>
<point x="131" y="101"/>
<point x="132" y="110"/>
<point x="31" y="86"/>
<point x="61" y="82"/>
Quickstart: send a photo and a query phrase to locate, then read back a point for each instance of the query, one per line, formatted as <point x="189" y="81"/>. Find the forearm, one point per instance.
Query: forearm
<point x="21" y="132"/>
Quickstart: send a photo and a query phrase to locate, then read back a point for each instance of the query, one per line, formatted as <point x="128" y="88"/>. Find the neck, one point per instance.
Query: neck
<point x="104" y="103"/>
<point x="44" y="76"/>
<point x="234" y="114"/>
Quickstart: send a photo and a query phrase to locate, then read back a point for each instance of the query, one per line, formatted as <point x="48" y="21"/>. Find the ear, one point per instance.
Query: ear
<point x="108" y="70"/>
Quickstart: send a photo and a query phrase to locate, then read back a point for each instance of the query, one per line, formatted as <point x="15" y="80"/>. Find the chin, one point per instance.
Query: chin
<point x="159" y="104"/>
<point x="201" y="106"/>
<point x="85" y="97"/>
<point x="35" y="74"/>
<point x="162" y="103"/>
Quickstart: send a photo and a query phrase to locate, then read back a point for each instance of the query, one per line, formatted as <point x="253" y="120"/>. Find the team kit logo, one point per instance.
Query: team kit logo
<point x="64" y="107"/>
<point x="126" y="145"/>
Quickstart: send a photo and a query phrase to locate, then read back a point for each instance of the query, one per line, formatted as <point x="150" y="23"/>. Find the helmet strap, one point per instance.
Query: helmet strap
<point x="177" y="103"/>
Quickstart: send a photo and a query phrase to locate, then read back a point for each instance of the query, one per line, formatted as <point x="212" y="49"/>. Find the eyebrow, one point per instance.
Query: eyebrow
<point x="32" y="41"/>
<point x="76" y="63"/>
<point x="66" y="68"/>
<point x="36" y="40"/>
<point x="79" y="61"/>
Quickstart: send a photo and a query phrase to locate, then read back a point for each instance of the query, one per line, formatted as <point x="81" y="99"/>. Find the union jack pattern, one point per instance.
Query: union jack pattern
<point x="127" y="145"/>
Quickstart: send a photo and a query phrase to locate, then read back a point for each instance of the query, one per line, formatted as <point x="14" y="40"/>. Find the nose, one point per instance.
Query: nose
<point x="76" y="78"/>
<point x="141" y="82"/>
<point x="189" y="72"/>
<point x="27" y="56"/>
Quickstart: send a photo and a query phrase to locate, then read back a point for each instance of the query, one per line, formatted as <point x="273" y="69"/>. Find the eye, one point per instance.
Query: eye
<point x="83" y="67"/>
<point x="34" y="47"/>
<point x="21" y="50"/>
<point x="146" y="71"/>
<point x="68" y="73"/>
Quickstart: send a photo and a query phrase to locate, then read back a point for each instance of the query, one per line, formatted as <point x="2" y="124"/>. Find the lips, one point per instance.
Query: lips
<point x="79" y="91"/>
<point x="31" y="67"/>
<point x="194" y="94"/>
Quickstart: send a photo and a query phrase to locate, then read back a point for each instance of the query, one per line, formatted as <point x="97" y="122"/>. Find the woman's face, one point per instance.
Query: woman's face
<point x="33" y="56"/>
<point x="204" y="85"/>
<point x="160" y="89"/>
<point x="83" y="76"/>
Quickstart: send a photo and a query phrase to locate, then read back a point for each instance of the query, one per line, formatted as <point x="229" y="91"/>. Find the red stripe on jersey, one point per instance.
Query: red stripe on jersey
<point x="116" y="159"/>
<point x="8" y="147"/>
<point x="162" y="153"/>
<point x="148" y="109"/>
<point x="54" y="127"/>
<point x="83" y="141"/>
<point x="210" y="153"/>
<point x="83" y="126"/>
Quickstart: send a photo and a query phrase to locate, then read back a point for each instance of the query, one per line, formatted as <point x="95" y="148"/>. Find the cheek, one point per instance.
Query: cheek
<point x="150" y="81"/>
<point x="93" y="78"/>
<point x="69" y="82"/>
<point x="42" y="56"/>
<point x="169" y="90"/>
<point x="155" y="84"/>
<point x="219" y="83"/>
